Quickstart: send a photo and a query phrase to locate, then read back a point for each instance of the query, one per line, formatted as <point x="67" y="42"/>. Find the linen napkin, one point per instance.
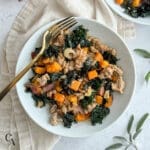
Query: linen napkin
<point x="25" y="133"/>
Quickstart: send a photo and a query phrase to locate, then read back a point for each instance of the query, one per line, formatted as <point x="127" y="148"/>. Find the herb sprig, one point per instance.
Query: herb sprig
<point x="145" y="54"/>
<point x="130" y="142"/>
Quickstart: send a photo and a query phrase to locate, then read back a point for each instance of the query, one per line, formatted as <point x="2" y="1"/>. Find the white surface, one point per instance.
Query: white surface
<point x="140" y="102"/>
<point x="119" y="10"/>
<point x="121" y="101"/>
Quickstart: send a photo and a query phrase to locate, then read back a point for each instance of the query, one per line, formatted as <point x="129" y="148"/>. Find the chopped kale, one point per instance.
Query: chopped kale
<point x="87" y="100"/>
<point x="68" y="119"/>
<point x="142" y="11"/>
<point x="95" y="83"/>
<point x="52" y="51"/>
<point x="87" y="65"/>
<point x="78" y="36"/>
<point x="43" y="98"/>
<point x="54" y="76"/>
<point x="98" y="114"/>
<point x="111" y="58"/>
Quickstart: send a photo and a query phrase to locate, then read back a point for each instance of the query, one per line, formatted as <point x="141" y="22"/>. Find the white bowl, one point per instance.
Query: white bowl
<point x="41" y="115"/>
<point x="120" y="11"/>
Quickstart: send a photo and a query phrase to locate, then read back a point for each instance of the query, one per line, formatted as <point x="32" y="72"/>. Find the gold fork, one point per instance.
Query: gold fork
<point x="50" y="34"/>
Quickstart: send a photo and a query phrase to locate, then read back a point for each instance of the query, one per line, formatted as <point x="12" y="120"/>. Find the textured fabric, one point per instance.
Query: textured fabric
<point x="13" y="119"/>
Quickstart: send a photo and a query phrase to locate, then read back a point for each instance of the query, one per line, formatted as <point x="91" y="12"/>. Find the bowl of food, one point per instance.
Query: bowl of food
<point x="82" y="83"/>
<point x="137" y="11"/>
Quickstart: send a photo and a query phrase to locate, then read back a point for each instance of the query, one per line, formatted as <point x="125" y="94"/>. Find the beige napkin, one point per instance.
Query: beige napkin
<point x="26" y="134"/>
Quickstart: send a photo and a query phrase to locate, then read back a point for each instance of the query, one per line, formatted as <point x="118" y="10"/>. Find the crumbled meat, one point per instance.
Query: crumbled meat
<point x="43" y="79"/>
<point x="118" y="84"/>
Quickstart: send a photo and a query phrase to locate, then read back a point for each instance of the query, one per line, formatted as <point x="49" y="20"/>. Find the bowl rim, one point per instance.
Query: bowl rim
<point x="113" y="122"/>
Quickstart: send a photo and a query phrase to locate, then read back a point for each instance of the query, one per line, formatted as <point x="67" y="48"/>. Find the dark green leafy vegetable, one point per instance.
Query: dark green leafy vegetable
<point x="78" y="36"/>
<point x="143" y="53"/>
<point x="114" y="146"/>
<point x="95" y="83"/>
<point x="98" y="114"/>
<point x="111" y="58"/>
<point x="147" y="77"/>
<point x="142" y="11"/>
<point x="51" y="51"/>
<point x="87" y="65"/>
<point x="54" y="76"/>
<point x="68" y="119"/>
<point x="43" y="98"/>
<point x="87" y="100"/>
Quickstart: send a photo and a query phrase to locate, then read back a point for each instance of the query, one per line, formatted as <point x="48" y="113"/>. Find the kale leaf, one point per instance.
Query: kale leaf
<point x="44" y="98"/>
<point x="68" y="119"/>
<point x="95" y="83"/>
<point x="54" y="76"/>
<point x="87" y="100"/>
<point x="78" y="36"/>
<point x="52" y="51"/>
<point x="111" y="58"/>
<point x="98" y="114"/>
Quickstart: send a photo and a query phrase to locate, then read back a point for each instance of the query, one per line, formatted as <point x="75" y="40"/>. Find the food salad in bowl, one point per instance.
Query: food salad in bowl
<point x="81" y="84"/>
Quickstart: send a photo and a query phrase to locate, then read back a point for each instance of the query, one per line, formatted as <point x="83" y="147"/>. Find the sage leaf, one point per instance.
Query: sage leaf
<point x="136" y="134"/>
<point x="143" y="53"/>
<point x="147" y="77"/>
<point x="114" y="146"/>
<point x="130" y="124"/>
<point x="120" y="138"/>
<point x="130" y="137"/>
<point x="141" y="121"/>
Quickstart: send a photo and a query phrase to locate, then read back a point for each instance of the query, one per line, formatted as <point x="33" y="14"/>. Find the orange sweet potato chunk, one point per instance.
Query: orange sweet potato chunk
<point x="92" y="74"/>
<point x="53" y="67"/>
<point x="59" y="97"/>
<point x="75" y="85"/>
<point x="39" y="70"/>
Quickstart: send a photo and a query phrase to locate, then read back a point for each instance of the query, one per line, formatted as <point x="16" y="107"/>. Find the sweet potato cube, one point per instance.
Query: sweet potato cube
<point x="53" y="67"/>
<point x="39" y="70"/>
<point x="104" y="64"/>
<point x="59" y="97"/>
<point x="81" y="117"/>
<point x="75" y="85"/>
<point x="73" y="99"/>
<point x="99" y="57"/>
<point x="92" y="74"/>
<point x="99" y="99"/>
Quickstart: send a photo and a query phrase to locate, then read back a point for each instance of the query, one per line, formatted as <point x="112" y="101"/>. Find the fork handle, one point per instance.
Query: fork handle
<point x="18" y="77"/>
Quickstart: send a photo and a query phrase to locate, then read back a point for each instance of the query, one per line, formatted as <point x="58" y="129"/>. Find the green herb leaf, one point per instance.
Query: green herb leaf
<point x="147" y="77"/>
<point x="130" y="137"/>
<point x="143" y="53"/>
<point x="130" y="124"/>
<point x="136" y="134"/>
<point x="120" y="138"/>
<point x="141" y="121"/>
<point x="114" y="146"/>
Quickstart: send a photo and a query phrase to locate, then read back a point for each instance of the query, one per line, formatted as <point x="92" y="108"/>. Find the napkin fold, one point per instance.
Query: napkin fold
<point x="26" y="134"/>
